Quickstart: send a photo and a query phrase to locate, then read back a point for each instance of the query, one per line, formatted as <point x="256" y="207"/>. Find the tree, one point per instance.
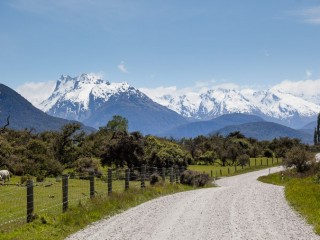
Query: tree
<point x="297" y="157"/>
<point x="126" y="150"/>
<point x="243" y="159"/>
<point x="208" y="157"/>
<point x="66" y="142"/>
<point x="268" y="153"/>
<point x="118" y="125"/>
<point x="164" y="153"/>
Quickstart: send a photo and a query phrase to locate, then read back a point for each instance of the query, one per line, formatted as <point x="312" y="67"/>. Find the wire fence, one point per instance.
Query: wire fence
<point x="21" y="203"/>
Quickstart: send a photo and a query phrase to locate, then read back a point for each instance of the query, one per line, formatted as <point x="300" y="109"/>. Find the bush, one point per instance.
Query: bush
<point x="298" y="157"/>
<point x="40" y="178"/>
<point x="24" y="178"/>
<point x="194" y="178"/>
<point x="155" y="178"/>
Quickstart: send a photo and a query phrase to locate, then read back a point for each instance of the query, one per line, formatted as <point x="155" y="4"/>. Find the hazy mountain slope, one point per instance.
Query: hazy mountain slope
<point x="266" y="131"/>
<point x="205" y="127"/>
<point x="23" y="114"/>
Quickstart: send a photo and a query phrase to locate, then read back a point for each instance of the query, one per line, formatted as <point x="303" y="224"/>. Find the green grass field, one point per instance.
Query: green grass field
<point x="48" y="197"/>
<point x="303" y="194"/>
<point x="59" y="226"/>
<point x="217" y="170"/>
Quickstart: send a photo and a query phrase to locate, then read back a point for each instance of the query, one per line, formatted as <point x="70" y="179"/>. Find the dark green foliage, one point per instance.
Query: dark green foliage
<point x="124" y="150"/>
<point x="194" y="178"/>
<point x="243" y="159"/>
<point x="163" y="153"/>
<point x="155" y="178"/>
<point x="87" y="165"/>
<point x="267" y="153"/>
<point x="67" y="142"/>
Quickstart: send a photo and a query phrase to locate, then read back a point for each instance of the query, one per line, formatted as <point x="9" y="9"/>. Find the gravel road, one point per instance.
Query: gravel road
<point x="241" y="208"/>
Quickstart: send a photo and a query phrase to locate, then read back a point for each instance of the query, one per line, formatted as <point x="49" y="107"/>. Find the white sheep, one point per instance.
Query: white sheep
<point x="4" y="175"/>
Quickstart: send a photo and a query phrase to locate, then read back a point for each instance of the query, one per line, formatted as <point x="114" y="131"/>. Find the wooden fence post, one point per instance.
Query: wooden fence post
<point x="228" y="171"/>
<point x="255" y="162"/>
<point x="171" y="175"/>
<point x="267" y="161"/>
<point x="177" y="174"/>
<point x="109" y="181"/>
<point x="65" y="201"/>
<point x="220" y="172"/>
<point x="261" y="162"/>
<point x="211" y="173"/>
<point x="92" y="193"/>
<point x="181" y="172"/>
<point x="127" y="179"/>
<point x="30" y="200"/>
<point x="143" y="176"/>
<point x="235" y="168"/>
<point x="163" y="174"/>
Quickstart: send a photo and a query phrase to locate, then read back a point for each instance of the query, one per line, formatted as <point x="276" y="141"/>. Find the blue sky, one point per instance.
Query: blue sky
<point x="152" y="43"/>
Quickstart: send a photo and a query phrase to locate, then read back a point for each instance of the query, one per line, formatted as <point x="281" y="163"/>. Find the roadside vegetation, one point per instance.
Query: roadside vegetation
<point x="302" y="184"/>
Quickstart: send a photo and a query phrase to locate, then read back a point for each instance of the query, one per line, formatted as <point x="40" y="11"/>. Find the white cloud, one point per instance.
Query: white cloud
<point x="307" y="89"/>
<point x="122" y="67"/>
<point x="310" y="15"/>
<point x="36" y="92"/>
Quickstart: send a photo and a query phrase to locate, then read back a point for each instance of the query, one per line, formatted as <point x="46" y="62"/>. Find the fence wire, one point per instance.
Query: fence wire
<point x="49" y="197"/>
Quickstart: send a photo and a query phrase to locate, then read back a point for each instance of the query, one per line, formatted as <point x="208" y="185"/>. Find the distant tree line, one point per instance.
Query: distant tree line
<point x="50" y="153"/>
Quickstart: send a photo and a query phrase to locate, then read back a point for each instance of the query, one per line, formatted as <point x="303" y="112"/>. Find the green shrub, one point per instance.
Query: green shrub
<point x="317" y="178"/>
<point x="194" y="178"/>
<point x="24" y="178"/>
<point x="40" y="178"/>
<point x="155" y="178"/>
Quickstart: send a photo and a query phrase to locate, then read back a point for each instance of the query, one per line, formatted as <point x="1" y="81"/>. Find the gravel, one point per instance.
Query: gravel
<point x="241" y="208"/>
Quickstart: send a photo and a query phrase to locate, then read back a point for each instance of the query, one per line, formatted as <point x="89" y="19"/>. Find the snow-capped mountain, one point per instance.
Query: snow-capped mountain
<point x="273" y="104"/>
<point x="93" y="101"/>
<point x="75" y="98"/>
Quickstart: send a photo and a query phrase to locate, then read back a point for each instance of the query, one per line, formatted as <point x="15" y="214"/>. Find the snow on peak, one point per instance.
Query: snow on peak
<point x="218" y="100"/>
<point x="78" y="91"/>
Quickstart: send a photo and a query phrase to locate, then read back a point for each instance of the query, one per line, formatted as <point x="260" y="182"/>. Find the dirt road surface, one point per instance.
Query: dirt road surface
<point x="241" y="208"/>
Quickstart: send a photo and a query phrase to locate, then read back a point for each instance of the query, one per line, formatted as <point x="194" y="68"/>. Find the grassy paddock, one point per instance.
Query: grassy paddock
<point x="60" y="225"/>
<point x="302" y="193"/>
<point x="219" y="171"/>
<point x="48" y="197"/>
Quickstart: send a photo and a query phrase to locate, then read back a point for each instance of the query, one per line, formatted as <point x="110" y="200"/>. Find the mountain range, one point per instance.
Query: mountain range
<point x="273" y="104"/>
<point x="93" y="101"/>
